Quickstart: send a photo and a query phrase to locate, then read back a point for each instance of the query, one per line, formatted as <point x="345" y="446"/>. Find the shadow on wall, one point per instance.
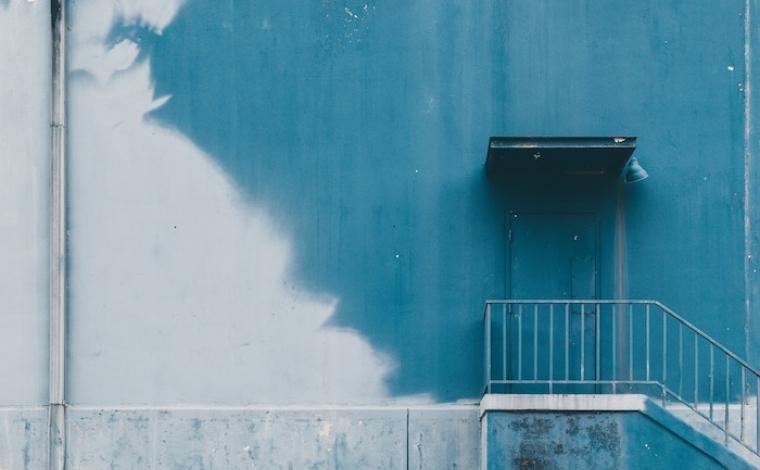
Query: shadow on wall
<point x="180" y="291"/>
<point x="354" y="185"/>
<point x="362" y="128"/>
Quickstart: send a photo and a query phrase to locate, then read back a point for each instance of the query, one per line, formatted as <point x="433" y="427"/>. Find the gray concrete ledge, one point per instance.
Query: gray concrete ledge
<point x="609" y="403"/>
<point x="275" y="407"/>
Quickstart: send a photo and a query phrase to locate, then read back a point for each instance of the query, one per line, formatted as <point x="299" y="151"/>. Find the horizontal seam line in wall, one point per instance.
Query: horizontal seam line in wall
<point x="24" y="408"/>
<point x="264" y="407"/>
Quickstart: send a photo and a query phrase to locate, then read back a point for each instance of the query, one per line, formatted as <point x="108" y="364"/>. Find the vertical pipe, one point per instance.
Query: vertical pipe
<point x="551" y="346"/>
<point x="749" y="166"/>
<point x="56" y="398"/>
<point x="406" y="454"/>
<point x="749" y="170"/>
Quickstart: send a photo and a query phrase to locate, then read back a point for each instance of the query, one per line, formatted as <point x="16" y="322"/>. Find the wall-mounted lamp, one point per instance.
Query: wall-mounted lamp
<point x="634" y="172"/>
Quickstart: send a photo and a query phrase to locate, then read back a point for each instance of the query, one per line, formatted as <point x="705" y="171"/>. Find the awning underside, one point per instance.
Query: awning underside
<point x="517" y="157"/>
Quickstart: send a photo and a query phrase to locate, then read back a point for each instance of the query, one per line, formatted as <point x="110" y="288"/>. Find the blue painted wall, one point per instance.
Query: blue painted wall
<point x="363" y="126"/>
<point x="752" y="143"/>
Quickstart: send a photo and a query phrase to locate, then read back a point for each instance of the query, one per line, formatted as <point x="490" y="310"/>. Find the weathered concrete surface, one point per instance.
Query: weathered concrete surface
<point x="443" y="439"/>
<point x="338" y="438"/>
<point x="621" y="440"/>
<point x="23" y="438"/>
<point x="673" y="420"/>
<point x="553" y="440"/>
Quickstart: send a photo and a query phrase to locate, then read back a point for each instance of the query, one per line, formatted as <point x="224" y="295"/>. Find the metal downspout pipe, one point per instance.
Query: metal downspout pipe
<point x="57" y="301"/>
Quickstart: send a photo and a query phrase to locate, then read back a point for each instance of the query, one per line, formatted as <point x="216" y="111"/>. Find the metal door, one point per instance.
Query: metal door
<point x="552" y="256"/>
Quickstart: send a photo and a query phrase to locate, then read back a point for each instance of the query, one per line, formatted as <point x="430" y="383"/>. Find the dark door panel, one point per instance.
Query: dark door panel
<point x="551" y="256"/>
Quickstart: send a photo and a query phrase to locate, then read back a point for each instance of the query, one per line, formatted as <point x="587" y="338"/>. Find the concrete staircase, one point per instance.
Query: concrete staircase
<point x="628" y="431"/>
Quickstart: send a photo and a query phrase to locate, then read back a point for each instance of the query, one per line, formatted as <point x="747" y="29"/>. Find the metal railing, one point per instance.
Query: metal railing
<point x="620" y="346"/>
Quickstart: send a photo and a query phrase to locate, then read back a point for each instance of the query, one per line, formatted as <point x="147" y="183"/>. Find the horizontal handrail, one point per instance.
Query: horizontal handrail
<point x="639" y="334"/>
<point x="569" y="301"/>
<point x="659" y="304"/>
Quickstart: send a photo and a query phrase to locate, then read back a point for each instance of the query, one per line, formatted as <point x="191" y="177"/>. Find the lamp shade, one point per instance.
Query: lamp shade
<point x="635" y="172"/>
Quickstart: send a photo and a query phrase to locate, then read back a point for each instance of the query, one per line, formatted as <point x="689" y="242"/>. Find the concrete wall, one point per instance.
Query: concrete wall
<point x="248" y="437"/>
<point x="23" y="438"/>
<point x="622" y="440"/>
<point x="275" y="438"/>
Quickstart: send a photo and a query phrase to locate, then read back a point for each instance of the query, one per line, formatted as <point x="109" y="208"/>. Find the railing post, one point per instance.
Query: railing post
<point x="728" y="394"/>
<point x="744" y="397"/>
<point x="615" y="310"/>
<point x="712" y="379"/>
<point x="567" y="341"/>
<point x="551" y="347"/>
<point x="630" y="342"/>
<point x="680" y="360"/>
<point x="583" y="341"/>
<point x="696" y="372"/>
<point x="519" y="341"/>
<point x="664" y="353"/>
<point x="757" y="414"/>
<point x="535" y="342"/>
<point x="504" y="341"/>
<point x="597" y="332"/>
<point x="647" y="341"/>
<point x="488" y="348"/>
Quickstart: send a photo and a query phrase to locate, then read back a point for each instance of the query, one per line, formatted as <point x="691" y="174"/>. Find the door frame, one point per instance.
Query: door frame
<point x="510" y="216"/>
